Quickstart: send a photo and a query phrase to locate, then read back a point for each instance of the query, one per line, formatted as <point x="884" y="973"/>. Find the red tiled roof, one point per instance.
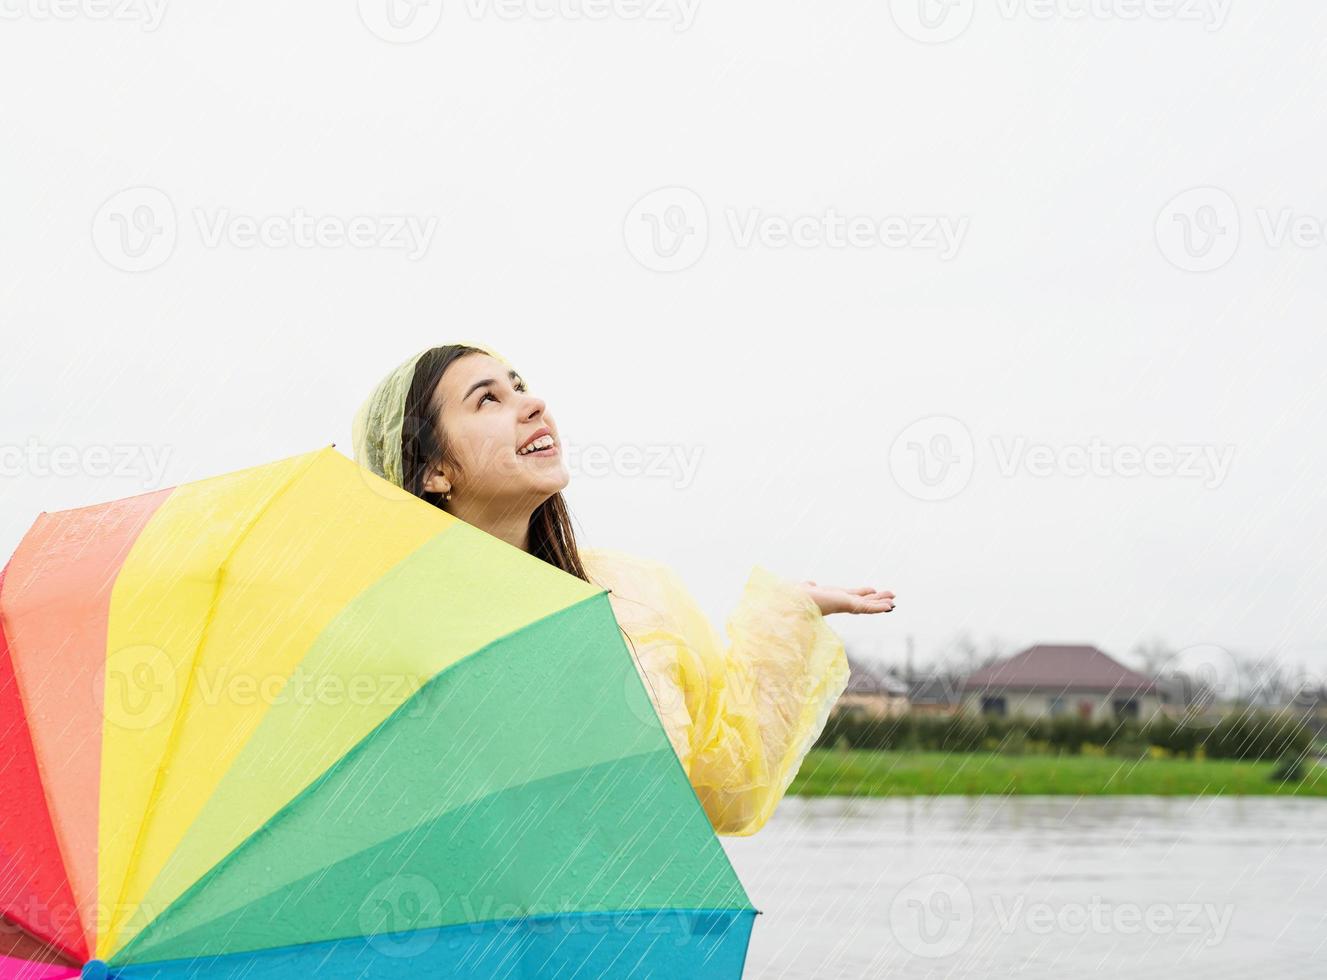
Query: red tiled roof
<point x="1059" y="668"/>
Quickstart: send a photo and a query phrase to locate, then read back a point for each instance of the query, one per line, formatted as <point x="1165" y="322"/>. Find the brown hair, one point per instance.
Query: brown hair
<point x="423" y="446"/>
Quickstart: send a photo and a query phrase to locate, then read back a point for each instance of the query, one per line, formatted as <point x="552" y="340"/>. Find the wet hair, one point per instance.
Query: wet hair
<point x="424" y="447"/>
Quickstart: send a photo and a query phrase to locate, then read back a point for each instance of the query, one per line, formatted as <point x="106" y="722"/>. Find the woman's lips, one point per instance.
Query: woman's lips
<point x="550" y="451"/>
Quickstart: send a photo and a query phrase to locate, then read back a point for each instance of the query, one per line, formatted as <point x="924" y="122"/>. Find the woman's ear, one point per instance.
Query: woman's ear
<point x="437" y="482"/>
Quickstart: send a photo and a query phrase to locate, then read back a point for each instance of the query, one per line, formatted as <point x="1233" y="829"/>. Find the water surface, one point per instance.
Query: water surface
<point x="1135" y="887"/>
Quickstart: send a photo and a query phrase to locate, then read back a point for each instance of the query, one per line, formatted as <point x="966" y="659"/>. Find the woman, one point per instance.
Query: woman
<point x="457" y="426"/>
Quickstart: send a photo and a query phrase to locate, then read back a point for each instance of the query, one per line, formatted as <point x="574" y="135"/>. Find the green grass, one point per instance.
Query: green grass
<point x="827" y="772"/>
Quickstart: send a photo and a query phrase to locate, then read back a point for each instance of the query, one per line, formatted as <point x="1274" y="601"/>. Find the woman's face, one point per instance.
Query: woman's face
<point x="487" y="416"/>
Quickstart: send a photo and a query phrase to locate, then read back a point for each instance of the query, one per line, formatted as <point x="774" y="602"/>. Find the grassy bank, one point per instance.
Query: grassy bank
<point x="827" y="772"/>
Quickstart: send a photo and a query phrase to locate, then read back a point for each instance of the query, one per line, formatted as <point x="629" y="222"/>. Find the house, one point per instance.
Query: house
<point x="871" y="692"/>
<point x="936" y="694"/>
<point x="1047" y="680"/>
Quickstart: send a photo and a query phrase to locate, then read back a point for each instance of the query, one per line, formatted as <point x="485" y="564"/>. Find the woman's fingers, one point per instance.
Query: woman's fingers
<point x="874" y="603"/>
<point x="864" y="599"/>
<point x="870" y="593"/>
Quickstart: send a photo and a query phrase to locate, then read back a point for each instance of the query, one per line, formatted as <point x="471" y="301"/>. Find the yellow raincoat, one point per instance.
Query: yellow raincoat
<point x="742" y="716"/>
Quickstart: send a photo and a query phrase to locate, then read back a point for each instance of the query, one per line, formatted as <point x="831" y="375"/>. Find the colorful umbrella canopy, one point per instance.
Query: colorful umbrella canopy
<point x="293" y="719"/>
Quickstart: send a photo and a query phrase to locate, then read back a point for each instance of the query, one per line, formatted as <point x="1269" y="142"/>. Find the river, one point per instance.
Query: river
<point x="1136" y="887"/>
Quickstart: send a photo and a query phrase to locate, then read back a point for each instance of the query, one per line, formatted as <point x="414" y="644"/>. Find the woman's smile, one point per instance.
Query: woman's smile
<point x="542" y="443"/>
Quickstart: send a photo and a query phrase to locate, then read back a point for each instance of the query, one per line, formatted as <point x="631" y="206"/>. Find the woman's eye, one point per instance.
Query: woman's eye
<point x="519" y="386"/>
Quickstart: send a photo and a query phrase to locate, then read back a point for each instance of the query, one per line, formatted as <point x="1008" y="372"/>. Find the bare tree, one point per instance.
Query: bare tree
<point x="1263" y="680"/>
<point x="963" y="654"/>
<point x="1155" y="656"/>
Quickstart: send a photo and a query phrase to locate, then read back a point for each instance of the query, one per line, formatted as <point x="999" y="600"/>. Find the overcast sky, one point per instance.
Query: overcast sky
<point x="1019" y="315"/>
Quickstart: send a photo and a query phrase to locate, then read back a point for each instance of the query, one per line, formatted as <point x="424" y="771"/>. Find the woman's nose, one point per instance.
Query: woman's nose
<point x="535" y="408"/>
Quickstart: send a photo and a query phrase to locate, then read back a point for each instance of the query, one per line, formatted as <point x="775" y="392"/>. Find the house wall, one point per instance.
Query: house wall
<point x="1039" y="704"/>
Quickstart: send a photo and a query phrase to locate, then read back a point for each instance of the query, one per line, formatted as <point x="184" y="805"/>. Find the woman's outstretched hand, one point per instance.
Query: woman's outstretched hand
<point x="831" y="599"/>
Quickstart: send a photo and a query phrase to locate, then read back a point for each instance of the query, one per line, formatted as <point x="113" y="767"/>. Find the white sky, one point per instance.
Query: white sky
<point x="1050" y="146"/>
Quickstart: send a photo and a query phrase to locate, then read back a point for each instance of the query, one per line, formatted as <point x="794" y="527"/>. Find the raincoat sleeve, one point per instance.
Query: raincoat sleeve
<point x="741" y="714"/>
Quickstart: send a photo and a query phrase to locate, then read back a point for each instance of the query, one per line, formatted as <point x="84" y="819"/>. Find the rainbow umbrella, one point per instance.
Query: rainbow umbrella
<point x="293" y="720"/>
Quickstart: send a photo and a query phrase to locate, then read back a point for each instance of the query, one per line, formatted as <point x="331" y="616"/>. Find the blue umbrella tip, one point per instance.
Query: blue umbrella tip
<point x="95" y="970"/>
